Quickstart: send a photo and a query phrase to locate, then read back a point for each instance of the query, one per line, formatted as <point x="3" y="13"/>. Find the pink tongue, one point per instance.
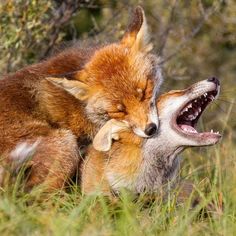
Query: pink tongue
<point x="188" y="128"/>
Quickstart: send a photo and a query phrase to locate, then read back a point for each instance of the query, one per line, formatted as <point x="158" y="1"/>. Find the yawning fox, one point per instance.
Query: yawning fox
<point x="46" y="108"/>
<point x="145" y="165"/>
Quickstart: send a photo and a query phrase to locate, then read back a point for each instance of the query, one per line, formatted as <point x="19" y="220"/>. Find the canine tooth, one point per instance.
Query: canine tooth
<point x="205" y="94"/>
<point x="212" y="131"/>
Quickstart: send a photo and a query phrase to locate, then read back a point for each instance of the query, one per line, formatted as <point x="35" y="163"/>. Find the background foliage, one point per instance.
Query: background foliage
<point x="195" y="39"/>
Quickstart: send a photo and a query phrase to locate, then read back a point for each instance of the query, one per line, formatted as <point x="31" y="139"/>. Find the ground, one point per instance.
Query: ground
<point x="212" y="170"/>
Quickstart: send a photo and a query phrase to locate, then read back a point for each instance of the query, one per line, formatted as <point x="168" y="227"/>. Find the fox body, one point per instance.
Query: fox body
<point x="68" y="97"/>
<point x="146" y="165"/>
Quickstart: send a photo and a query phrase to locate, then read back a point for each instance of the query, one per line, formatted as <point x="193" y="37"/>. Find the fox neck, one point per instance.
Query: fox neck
<point x="159" y="167"/>
<point x="160" y="163"/>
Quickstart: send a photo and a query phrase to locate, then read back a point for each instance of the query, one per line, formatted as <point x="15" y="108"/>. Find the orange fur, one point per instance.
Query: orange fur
<point x="76" y="91"/>
<point x="124" y="158"/>
<point x="147" y="165"/>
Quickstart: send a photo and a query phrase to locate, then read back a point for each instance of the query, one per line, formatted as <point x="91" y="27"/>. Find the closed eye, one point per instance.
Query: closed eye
<point x="117" y="114"/>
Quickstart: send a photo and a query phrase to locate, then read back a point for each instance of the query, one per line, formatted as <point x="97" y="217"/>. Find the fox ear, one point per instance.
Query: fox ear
<point x="76" y="88"/>
<point x="137" y="36"/>
<point x="103" y="139"/>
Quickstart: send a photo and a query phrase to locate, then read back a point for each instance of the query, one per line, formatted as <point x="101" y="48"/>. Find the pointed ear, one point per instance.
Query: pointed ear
<point x="103" y="139"/>
<point x="137" y="36"/>
<point x="76" y="88"/>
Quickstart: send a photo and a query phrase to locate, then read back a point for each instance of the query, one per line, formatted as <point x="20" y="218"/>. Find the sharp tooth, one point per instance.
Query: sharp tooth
<point x="191" y="117"/>
<point x="212" y="131"/>
<point x="195" y="100"/>
<point x="190" y="105"/>
<point x="205" y="94"/>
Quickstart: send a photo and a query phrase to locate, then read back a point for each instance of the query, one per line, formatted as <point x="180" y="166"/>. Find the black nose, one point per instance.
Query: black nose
<point x="151" y="129"/>
<point x="214" y="80"/>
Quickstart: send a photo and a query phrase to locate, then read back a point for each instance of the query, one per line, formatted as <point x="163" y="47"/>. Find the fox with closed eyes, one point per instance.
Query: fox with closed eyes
<point x="47" y="110"/>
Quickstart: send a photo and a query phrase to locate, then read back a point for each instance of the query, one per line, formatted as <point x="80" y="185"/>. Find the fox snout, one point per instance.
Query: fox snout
<point x="144" y="123"/>
<point x="150" y="129"/>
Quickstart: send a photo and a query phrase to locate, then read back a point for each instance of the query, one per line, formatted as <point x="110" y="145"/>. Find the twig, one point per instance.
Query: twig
<point x="62" y="16"/>
<point x="193" y="33"/>
<point x="165" y="34"/>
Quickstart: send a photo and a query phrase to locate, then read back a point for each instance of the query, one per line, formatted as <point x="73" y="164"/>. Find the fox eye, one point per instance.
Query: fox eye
<point x="117" y="115"/>
<point x="121" y="107"/>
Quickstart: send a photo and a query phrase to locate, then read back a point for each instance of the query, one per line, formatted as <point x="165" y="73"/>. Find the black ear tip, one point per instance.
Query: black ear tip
<point x="136" y="20"/>
<point x="139" y="9"/>
<point x="138" y="13"/>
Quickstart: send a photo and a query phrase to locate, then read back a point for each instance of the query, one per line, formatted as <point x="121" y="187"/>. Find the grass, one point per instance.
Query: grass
<point x="211" y="169"/>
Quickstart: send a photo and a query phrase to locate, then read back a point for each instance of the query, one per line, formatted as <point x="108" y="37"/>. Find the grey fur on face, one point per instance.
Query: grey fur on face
<point x="158" y="167"/>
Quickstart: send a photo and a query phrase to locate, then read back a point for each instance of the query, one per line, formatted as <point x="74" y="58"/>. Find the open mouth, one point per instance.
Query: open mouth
<point x="189" y="115"/>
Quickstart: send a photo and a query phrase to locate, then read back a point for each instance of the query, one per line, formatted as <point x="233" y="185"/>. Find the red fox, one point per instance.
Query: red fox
<point x="145" y="165"/>
<point x="69" y="97"/>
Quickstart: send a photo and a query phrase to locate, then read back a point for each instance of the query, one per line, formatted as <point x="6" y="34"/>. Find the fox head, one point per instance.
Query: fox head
<point x="118" y="81"/>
